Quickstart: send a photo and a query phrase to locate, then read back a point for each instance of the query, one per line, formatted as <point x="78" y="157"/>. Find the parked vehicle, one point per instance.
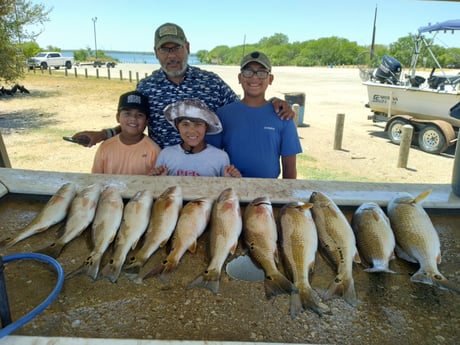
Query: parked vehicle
<point x="430" y="104"/>
<point x="44" y="60"/>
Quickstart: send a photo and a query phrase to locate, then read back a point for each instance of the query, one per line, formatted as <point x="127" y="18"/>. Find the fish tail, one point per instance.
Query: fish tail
<point x="7" y="242"/>
<point x="208" y="280"/>
<point x="435" y="279"/>
<point x="342" y="287"/>
<point x="111" y="271"/>
<point x="308" y="299"/>
<point x="276" y="284"/>
<point x="53" y="250"/>
<point x="376" y="269"/>
<point x="92" y="265"/>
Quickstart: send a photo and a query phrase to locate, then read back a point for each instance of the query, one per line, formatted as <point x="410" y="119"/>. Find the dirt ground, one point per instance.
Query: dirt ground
<point x="32" y="125"/>
<point x="391" y="309"/>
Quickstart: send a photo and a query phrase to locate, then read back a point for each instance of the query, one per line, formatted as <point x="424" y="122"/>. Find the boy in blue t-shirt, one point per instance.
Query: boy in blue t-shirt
<point x="253" y="135"/>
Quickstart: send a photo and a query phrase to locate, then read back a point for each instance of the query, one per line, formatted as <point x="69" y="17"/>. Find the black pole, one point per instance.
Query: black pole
<point x="5" y="315"/>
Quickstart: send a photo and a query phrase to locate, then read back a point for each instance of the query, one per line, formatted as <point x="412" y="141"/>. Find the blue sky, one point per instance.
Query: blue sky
<point x="130" y="25"/>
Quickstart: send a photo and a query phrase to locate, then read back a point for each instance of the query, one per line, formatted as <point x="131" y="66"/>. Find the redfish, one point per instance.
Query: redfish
<point x="338" y="244"/>
<point x="260" y="236"/>
<point x="136" y="215"/>
<point x="226" y="225"/>
<point x="52" y="213"/>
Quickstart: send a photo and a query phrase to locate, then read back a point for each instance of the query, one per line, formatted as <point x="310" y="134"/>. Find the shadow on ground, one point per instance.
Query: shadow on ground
<point x="21" y="121"/>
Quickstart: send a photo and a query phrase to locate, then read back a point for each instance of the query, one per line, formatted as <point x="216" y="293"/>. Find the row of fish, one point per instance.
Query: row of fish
<point x="302" y="229"/>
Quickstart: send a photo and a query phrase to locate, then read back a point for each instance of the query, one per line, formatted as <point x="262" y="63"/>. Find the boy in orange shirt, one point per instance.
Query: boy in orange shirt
<point x="130" y="152"/>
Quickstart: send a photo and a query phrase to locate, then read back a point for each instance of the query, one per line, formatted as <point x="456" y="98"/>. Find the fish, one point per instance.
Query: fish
<point x="136" y="216"/>
<point x="106" y="223"/>
<point x="374" y="237"/>
<point x="163" y="219"/>
<point x="299" y="243"/>
<point x="337" y="243"/>
<point x="225" y="228"/>
<point x="192" y="222"/>
<point x="54" y="211"/>
<point x="417" y="240"/>
<point x="81" y="214"/>
<point x="260" y="237"/>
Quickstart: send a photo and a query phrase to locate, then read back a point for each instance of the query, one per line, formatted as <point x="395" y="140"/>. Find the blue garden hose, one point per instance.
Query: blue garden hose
<point x="42" y="306"/>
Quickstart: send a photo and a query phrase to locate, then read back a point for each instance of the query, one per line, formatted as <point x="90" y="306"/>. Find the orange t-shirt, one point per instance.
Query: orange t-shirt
<point x="114" y="157"/>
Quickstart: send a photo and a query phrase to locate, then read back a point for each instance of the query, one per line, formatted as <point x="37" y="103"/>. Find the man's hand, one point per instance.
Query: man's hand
<point x="90" y="138"/>
<point x="283" y="109"/>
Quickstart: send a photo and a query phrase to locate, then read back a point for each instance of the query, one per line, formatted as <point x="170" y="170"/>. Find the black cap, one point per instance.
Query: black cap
<point x="134" y="100"/>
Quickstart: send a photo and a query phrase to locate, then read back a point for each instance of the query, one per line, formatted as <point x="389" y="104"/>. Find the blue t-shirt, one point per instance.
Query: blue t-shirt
<point x="255" y="139"/>
<point x="196" y="84"/>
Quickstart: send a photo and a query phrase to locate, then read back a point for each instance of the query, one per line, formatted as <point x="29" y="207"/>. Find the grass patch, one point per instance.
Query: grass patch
<point x="308" y="168"/>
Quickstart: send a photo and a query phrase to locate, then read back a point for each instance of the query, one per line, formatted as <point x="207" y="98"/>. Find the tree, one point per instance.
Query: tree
<point x="15" y="17"/>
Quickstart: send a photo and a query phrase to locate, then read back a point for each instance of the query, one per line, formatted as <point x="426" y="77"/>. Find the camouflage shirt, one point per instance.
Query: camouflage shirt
<point x="197" y="83"/>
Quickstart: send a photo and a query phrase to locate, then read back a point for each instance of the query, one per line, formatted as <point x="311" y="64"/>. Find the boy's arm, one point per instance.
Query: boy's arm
<point x="288" y="164"/>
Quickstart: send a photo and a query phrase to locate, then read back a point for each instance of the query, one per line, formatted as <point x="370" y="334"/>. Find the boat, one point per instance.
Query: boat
<point x="431" y="104"/>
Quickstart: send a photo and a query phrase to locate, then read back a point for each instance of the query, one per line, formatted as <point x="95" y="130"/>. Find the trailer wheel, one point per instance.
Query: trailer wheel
<point x="68" y="65"/>
<point x="431" y="139"/>
<point x="394" y="130"/>
<point x="44" y="65"/>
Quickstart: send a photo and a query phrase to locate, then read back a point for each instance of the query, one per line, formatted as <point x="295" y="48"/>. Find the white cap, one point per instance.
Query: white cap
<point x="193" y="109"/>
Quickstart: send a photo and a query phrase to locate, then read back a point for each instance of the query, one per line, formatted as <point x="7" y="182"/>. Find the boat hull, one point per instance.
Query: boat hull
<point x="424" y="104"/>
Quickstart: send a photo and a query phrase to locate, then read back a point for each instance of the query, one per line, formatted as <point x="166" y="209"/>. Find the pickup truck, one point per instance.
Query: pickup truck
<point x="44" y="60"/>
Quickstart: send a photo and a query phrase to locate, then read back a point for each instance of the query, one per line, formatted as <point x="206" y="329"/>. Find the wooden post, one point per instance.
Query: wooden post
<point x="130" y="77"/>
<point x="339" y="124"/>
<point x="137" y="77"/>
<point x="404" y="146"/>
<point x="86" y="73"/>
<point x="296" y="107"/>
<point x="97" y="73"/>
<point x="121" y="75"/>
<point x="108" y="72"/>
<point x="75" y="71"/>
<point x="4" y="160"/>
<point x="66" y="72"/>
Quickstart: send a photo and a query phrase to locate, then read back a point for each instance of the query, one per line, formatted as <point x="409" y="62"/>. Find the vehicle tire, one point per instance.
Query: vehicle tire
<point x="44" y="65"/>
<point x="431" y="139"/>
<point x="395" y="129"/>
<point x="108" y="65"/>
<point x="68" y="65"/>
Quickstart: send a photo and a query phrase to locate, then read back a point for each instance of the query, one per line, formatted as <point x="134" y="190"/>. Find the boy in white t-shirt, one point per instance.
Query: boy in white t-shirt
<point x="130" y="152"/>
<point x="193" y="156"/>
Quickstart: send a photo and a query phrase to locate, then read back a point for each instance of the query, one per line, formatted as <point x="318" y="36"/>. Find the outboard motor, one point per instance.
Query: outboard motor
<point x="389" y="70"/>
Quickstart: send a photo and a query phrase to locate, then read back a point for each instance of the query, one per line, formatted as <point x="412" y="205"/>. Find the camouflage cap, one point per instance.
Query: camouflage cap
<point x="256" y="57"/>
<point x="169" y="32"/>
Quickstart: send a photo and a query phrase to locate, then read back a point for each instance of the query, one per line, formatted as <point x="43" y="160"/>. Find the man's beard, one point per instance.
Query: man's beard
<point x="178" y="73"/>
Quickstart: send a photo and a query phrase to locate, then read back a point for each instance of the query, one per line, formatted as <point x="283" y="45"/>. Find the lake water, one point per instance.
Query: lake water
<point x="136" y="57"/>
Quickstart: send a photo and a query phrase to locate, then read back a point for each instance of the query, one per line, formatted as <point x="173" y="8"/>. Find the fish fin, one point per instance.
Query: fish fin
<point x="342" y="288"/>
<point x="163" y="243"/>
<point x="277" y="284"/>
<point x="192" y="248"/>
<point x="208" y="280"/>
<point x="403" y="255"/>
<point x="438" y="258"/>
<point x="233" y="248"/>
<point x="53" y="250"/>
<point x="295" y="305"/>
<point x="357" y="258"/>
<point x="306" y="206"/>
<point x="422" y="196"/>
